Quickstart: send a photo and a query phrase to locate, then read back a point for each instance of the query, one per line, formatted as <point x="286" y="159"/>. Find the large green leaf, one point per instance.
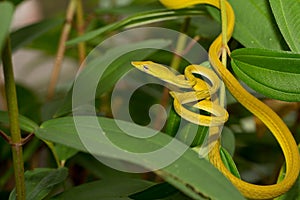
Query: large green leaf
<point x="6" y="10"/>
<point x="100" y="170"/>
<point x="40" y="182"/>
<point x="25" y="35"/>
<point x="25" y="123"/>
<point x="287" y="16"/>
<point x="275" y="74"/>
<point x="194" y="176"/>
<point x="138" y="20"/>
<point x="254" y="24"/>
<point x="158" y="191"/>
<point x="112" y="189"/>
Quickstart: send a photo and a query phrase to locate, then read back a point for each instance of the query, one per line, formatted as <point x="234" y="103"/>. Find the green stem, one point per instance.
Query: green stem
<point x="180" y="46"/>
<point x="52" y="149"/>
<point x="224" y="26"/>
<point x="224" y="47"/>
<point x="80" y="32"/>
<point x="12" y="105"/>
<point x="181" y="43"/>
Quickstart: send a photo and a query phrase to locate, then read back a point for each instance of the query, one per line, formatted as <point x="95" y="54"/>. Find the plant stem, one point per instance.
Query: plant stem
<point x="51" y="147"/>
<point x="181" y="43"/>
<point x="61" y="48"/>
<point x="80" y="31"/>
<point x="224" y="31"/>
<point x="224" y="48"/>
<point x="180" y="46"/>
<point x="12" y="105"/>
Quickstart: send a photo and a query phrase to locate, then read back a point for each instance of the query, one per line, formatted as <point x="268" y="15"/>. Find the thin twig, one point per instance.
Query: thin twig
<point x="190" y="45"/>
<point x="181" y="43"/>
<point x="61" y="49"/>
<point x="27" y="138"/>
<point x="5" y="137"/>
<point x="80" y="31"/>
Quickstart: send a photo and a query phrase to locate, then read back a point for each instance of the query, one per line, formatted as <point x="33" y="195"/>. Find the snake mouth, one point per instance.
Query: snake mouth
<point x="136" y="63"/>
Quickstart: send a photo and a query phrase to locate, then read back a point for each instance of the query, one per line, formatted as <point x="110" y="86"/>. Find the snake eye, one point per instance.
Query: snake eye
<point x="145" y="67"/>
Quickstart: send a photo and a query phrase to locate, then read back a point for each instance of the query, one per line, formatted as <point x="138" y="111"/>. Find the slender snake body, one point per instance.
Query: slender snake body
<point x="255" y="106"/>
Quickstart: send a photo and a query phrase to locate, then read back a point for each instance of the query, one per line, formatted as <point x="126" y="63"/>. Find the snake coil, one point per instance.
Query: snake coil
<point x="255" y="106"/>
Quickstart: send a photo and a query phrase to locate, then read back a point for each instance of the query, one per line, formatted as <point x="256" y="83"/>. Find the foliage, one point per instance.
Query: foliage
<point x="265" y="55"/>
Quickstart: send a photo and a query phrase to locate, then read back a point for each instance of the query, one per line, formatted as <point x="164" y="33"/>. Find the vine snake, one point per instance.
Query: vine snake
<point x="202" y="91"/>
<point x="255" y="106"/>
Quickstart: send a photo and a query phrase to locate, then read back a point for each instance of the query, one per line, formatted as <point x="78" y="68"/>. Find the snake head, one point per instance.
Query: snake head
<point x="154" y="69"/>
<point x="143" y="65"/>
<point x="161" y="72"/>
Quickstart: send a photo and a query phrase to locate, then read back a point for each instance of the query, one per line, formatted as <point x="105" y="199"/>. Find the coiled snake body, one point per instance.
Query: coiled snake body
<point x="255" y="106"/>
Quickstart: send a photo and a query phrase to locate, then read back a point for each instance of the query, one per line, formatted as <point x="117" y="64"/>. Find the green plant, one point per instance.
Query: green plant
<point x="31" y="129"/>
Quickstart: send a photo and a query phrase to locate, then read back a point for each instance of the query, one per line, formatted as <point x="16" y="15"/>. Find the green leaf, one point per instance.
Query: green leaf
<point x="158" y="191"/>
<point x="127" y="9"/>
<point x="186" y="173"/>
<point x="228" y="140"/>
<point x="138" y="20"/>
<point x="28" y="103"/>
<point x="275" y="74"/>
<point x="192" y="134"/>
<point x="25" y="123"/>
<point x="16" y="2"/>
<point x="294" y="192"/>
<point x="254" y="24"/>
<point x="40" y="182"/>
<point x="173" y="122"/>
<point x="25" y="35"/>
<point x="229" y="163"/>
<point x="6" y="10"/>
<point x="100" y="170"/>
<point x="119" y="66"/>
<point x="63" y="152"/>
<point x="287" y="16"/>
<point x="112" y="189"/>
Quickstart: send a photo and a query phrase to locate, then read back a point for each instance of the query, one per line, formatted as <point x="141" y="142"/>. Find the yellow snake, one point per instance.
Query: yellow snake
<point x="255" y="106"/>
<point x="202" y="91"/>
